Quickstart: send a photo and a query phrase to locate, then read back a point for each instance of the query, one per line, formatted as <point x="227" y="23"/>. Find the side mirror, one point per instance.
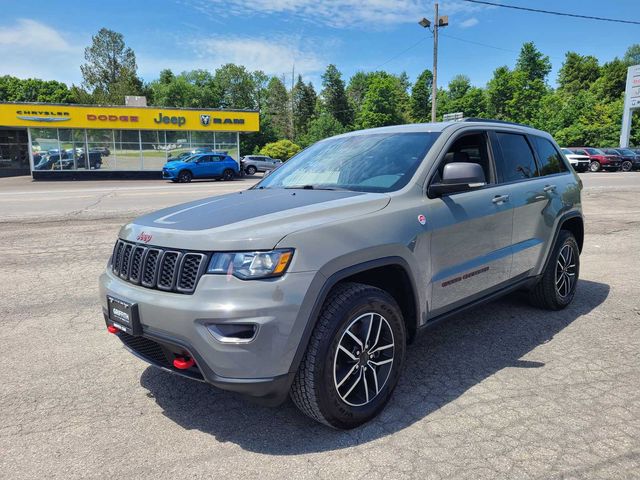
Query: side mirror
<point x="458" y="177"/>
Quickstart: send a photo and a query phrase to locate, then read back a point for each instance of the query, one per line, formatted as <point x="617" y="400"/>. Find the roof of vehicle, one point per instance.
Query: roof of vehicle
<point x="442" y="126"/>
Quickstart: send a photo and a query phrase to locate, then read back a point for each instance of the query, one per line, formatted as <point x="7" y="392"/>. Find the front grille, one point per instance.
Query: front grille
<point x="152" y="267"/>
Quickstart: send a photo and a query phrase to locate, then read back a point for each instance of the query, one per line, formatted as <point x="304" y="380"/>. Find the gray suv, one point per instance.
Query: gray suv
<point x="259" y="163"/>
<point x="312" y="283"/>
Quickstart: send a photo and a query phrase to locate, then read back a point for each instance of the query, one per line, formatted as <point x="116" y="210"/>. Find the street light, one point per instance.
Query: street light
<point x="437" y="23"/>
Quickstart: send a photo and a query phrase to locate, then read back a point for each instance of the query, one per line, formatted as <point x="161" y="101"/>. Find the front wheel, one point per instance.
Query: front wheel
<point x="185" y="177"/>
<point x="595" y="166"/>
<point x="354" y="357"/>
<point x="557" y="287"/>
<point x="251" y="170"/>
<point x="626" y="166"/>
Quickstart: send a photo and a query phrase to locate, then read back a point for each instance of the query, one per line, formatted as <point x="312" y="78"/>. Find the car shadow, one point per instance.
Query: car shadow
<point x="443" y="363"/>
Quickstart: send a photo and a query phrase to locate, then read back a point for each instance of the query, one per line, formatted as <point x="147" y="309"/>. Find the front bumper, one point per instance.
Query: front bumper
<point x="178" y="324"/>
<point x="168" y="174"/>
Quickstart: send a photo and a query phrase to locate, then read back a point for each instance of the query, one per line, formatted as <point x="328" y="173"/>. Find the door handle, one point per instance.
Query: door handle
<point x="500" y="199"/>
<point x="549" y="188"/>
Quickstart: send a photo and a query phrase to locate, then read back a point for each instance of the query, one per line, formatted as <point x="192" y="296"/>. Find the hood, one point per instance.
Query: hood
<point x="248" y="220"/>
<point x="175" y="163"/>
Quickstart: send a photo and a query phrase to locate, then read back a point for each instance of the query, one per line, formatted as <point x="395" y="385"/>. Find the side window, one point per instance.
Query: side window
<point x="471" y="148"/>
<point x="550" y="160"/>
<point x="517" y="158"/>
<point x="205" y="158"/>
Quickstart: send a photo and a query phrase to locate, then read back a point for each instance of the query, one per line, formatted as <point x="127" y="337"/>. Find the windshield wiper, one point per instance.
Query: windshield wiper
<point x="314" y="187"/>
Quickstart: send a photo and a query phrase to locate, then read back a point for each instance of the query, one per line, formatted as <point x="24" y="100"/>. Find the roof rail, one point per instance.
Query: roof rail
<point x="491" y="120"/>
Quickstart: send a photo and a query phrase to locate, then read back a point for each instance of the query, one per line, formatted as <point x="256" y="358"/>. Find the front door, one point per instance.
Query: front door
<point x="471" y="231"/>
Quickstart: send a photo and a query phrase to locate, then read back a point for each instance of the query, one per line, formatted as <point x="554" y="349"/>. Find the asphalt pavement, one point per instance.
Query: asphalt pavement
<point x="501" y="391"/>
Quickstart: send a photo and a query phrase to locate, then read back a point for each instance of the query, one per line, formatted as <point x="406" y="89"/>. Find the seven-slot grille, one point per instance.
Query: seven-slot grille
<point x="153" y="267"/>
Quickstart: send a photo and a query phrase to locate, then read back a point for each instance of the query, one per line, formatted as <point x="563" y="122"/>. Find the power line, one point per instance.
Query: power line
<point x="550" y="12"/>
<point x="401" y="53"/>
<point x="478" y="43"/>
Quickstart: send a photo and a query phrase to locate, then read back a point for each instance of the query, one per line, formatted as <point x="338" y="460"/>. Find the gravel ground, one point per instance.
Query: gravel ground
<point x="502" y="391"/>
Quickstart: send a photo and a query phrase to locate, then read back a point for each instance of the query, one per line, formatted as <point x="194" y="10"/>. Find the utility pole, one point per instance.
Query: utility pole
<point x="293" y="125"/>
<point x="438" y="22"/>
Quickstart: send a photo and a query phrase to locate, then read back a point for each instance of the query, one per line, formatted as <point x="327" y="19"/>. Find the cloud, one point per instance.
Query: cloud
<point x="470" y="22"/>
<point x="357" y="14"/>
<point x="32" y="49"/>
<point x="274" y="56"/>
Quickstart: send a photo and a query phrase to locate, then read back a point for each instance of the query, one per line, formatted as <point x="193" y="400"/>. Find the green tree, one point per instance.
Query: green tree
<point x="500" y="90"/>
<point x="335" y="97"/>
<point x="13" y="89"/>
<point x="533" y="63"/>
<point x="381" y="104"/>
<point x="276" y="107"/>
<point x="282" y="149"/>
<point x="304" y="106"/>
<point x="110" y="71"/>
<point x="578" y="72"/>
<point x="324" y="126"/>
<point x="357" y="89"/>
<point x="421" y="97"/>
<point x="236" y="86"/>
<point x="194" y="89"/>
<point x="632" y="55"/>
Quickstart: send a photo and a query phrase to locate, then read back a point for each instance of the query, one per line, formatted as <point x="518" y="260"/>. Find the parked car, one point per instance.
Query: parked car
<point x="580" y="163"/>
<point x="203" y="165"/>
<point x="599" y="160"/>
<point x="195" y="151"/>
<point x="630" y="159"/>
<point x="95" y="160"/>
<point x="258" y="163"/>
<point x="103" y="151"/>
<point x="313" y="282"/>
<point x="53" y="161"/>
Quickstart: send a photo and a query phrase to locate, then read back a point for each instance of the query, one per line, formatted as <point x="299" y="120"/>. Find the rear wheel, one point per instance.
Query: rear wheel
<point x="557" y="287"/>
<point x="354" y="358"/>
<point x="626" y="166"/>
<point x="595" y="166"/>
<point x="251" y="170"/>
<point x="227" y="174"/>
<point x="185" y="176"/>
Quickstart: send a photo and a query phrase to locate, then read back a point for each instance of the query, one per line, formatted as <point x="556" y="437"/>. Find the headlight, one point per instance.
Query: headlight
<point x="251" y="265"/>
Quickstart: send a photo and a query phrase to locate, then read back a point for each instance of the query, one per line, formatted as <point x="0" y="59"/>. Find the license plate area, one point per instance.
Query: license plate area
<point x="124" y="316"/>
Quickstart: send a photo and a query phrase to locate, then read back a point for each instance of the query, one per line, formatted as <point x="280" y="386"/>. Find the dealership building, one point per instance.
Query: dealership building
<point x="86" y="141"/>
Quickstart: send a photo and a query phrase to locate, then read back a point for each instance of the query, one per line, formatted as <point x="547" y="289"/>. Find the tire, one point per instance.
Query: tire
<point x="626" y="166"/>
<point x="595" y="166"/>
<point x="227" y="175"/>
<point x="551" y="292"/>
<point x="251" y="170"/>
<point x="185" y="176"/>
<point x="323" y="388"/>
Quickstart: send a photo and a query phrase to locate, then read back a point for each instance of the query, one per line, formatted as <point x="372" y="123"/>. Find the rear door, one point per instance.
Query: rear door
<point x="471" y="231"/>
<point x="532" y="166"/>
<point x="204" y="167"/>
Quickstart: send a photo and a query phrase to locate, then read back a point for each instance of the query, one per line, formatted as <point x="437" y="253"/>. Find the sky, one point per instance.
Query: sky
<point x="46" y="39"/>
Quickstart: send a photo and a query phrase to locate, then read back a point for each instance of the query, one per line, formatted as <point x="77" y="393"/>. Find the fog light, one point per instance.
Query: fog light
<point x="233" y="332"/>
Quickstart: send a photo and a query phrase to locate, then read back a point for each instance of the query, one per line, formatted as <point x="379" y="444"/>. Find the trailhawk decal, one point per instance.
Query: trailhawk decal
<point x="464" y="277"/>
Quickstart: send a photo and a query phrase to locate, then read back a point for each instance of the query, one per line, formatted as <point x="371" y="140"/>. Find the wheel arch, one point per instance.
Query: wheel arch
<point x="571" y="221"/>
<point x="392" y="274"/>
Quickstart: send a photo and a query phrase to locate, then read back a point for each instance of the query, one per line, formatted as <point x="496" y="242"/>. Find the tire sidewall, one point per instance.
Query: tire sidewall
<point x="335" y="410"/>
<point x="251" y="170"/>
<point x="565" y="239"/>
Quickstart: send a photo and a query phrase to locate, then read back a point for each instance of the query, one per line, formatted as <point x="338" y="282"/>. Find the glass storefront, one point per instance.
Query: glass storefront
<point x="14" y="151"/>
<point x="58" y="149"/>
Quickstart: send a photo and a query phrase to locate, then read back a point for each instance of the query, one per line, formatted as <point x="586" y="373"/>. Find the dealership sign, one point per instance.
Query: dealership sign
<point x="631" y="103"/>
<point x="137" y="118"/>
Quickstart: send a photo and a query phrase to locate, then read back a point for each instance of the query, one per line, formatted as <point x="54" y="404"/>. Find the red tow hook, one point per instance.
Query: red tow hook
<point x="183" y="363"/>
<point x="112" y="329"/>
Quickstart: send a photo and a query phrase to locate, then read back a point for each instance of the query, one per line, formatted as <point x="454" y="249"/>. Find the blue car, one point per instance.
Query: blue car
<point x="204" y="165"/>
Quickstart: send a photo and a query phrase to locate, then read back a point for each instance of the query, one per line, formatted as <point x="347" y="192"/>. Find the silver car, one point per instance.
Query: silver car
<point x="259" y="163"/>
<point x="312" y="283"/>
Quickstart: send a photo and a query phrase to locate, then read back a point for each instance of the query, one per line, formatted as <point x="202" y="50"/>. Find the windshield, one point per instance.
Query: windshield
<point x="566" y="151"/>
<point x="377" y="162"/>
<point x="594" y="151"/>
<point x="626" y="151"/>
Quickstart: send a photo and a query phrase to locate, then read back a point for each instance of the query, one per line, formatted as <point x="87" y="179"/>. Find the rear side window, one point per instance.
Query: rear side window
<point x="550" y="160"/>
<point x="518" y="162"/>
